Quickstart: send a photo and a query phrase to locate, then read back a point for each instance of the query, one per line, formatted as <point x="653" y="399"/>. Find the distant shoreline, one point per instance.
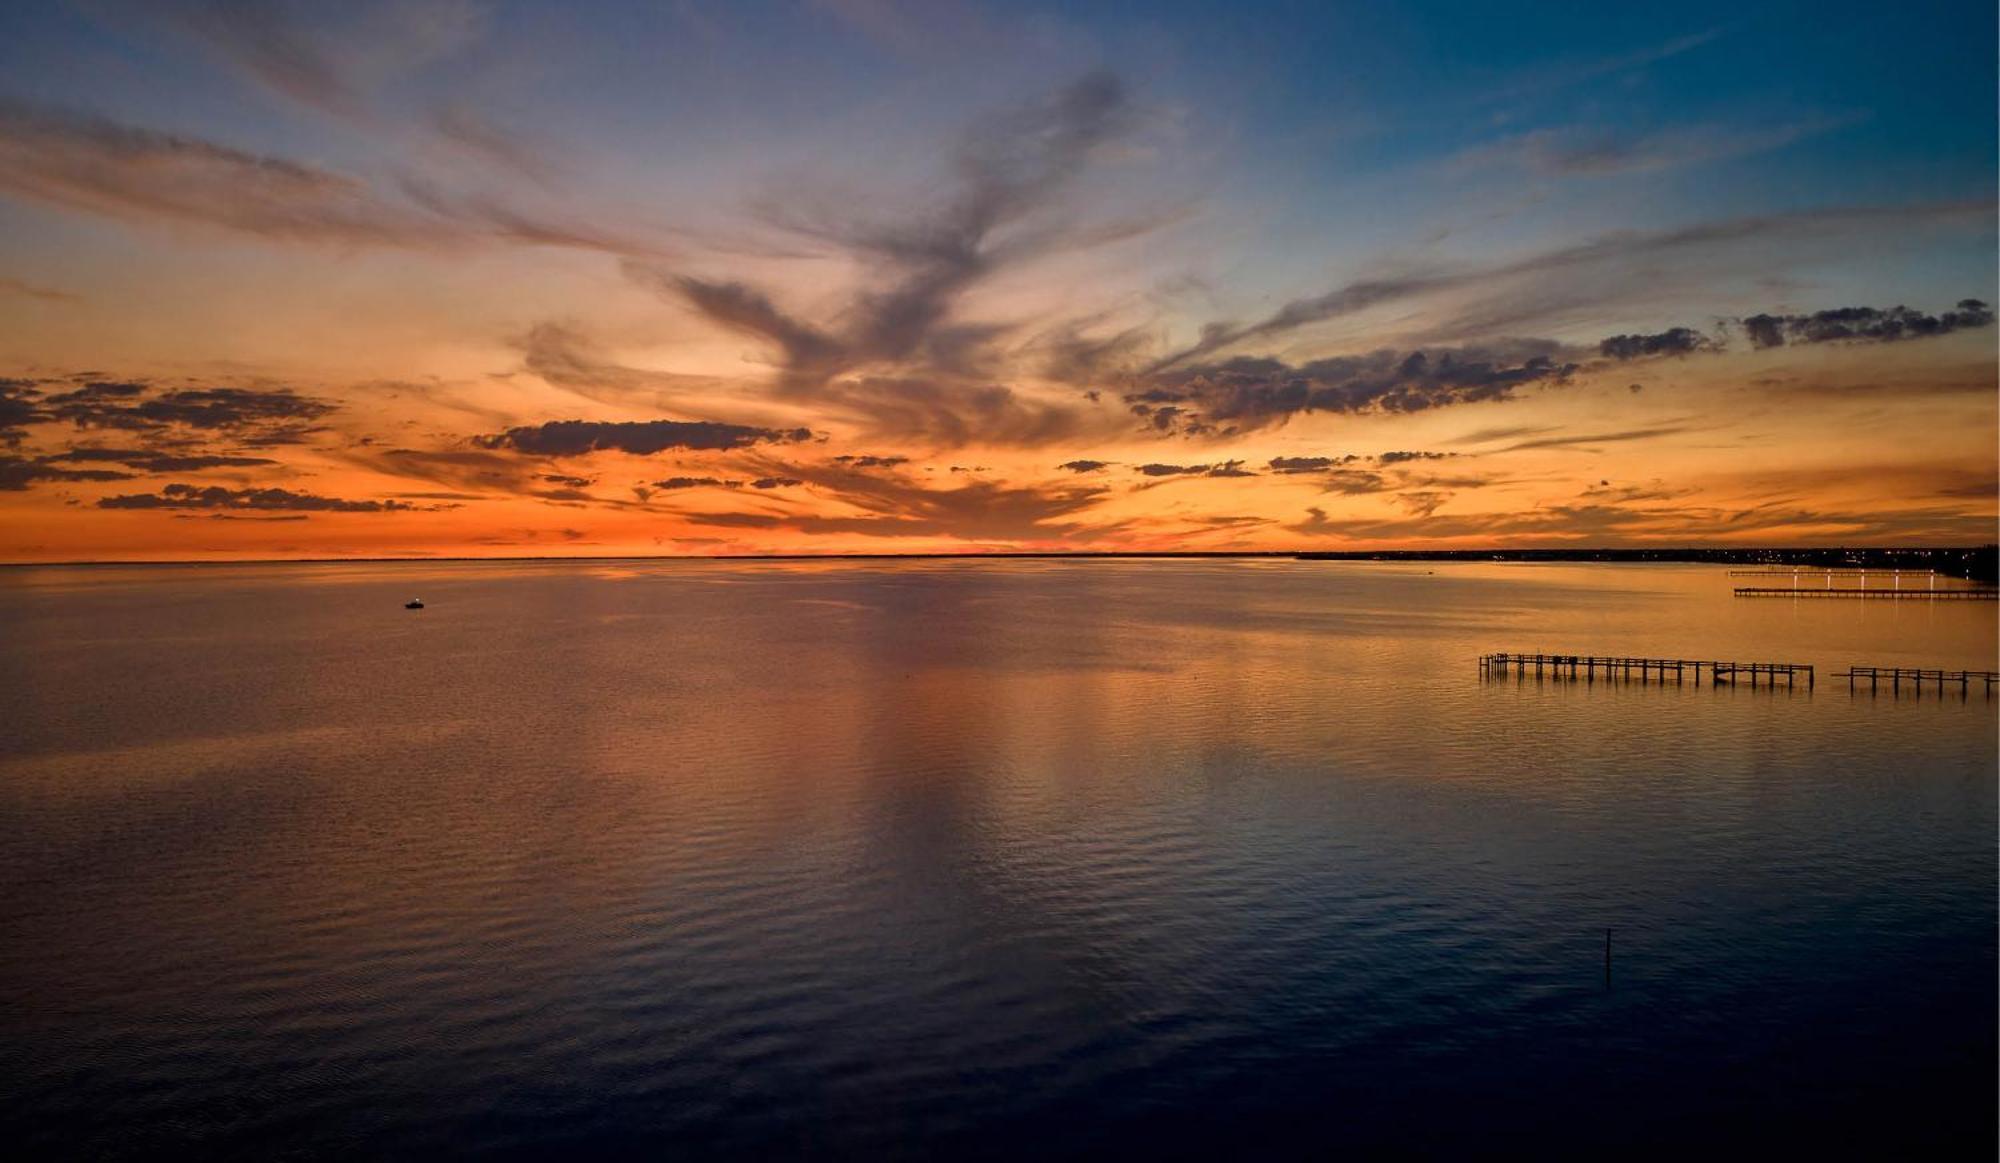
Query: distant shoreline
<point x="1976" y="563"/>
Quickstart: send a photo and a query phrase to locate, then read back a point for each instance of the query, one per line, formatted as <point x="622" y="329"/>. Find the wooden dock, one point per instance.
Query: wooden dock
<point x="1591" y="667"/>
<point x="1899" y="676"/>
<point x="1968" y="594"/>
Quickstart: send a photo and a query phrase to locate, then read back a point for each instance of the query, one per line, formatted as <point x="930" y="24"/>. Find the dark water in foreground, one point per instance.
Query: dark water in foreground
<point x="979" y="858"/>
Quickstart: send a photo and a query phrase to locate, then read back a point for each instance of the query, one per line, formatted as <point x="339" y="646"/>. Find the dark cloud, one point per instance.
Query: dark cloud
<point x="776" y="483"/>
<point x="251" y="415"/>
<point x="150" y="461"/>
<point x="1228" y="468"/>
<point x="1673" y="341"/>
<point x="638" y="437"/>
<point x="1864" y="324"/>
<point x="1308" y="464"/>
<point x="1083" y="466"/>
<point x="20" y="406"/>
<point x="696" y="483"/>
<point x="17" y="473"/>
<point x="1407" y="457"/>
<point x="872" y="461"/>
<point x="183" y="496"/>
<point x="96" y="391"/>
<point x="1250" y="392"/>
<point x="567" y="482"/>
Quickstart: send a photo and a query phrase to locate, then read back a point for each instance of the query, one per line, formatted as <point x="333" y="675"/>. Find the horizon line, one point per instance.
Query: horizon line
<point x="1319" y="554"/>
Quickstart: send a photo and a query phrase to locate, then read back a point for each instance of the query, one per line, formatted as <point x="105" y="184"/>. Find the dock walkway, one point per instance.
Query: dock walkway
<point x="1591" y="667"/>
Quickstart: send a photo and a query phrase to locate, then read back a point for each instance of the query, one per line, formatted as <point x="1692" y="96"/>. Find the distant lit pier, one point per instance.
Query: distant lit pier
<point x="1826" y="589"/>
<point x="1966" y="594"/>
<point x="1898" y="677"/>
<point x="1611" y="668"/>
<point x="1788" y="571"/>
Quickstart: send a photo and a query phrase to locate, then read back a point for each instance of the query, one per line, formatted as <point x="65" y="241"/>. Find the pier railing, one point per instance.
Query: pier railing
<point x="1591" y="667"/>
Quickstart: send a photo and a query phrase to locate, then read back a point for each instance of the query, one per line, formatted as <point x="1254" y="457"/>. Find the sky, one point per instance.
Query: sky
<point x="483" y="278"/>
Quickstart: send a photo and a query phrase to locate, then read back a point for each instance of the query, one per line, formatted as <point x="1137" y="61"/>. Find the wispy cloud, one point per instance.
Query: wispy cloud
<point x="1584" y="152"/>
<point x="1587" y="441"/>
<point x="33" y="291"/>
<point x="896" y="357"/>
<point x="81" y="162"/>
<point x="1618" y="252"/>
<point x="330" y="58"/>
<point x="1564" y="75"/>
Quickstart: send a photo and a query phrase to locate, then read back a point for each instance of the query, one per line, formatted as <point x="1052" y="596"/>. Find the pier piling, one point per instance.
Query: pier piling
<point x="1896" y="676"/>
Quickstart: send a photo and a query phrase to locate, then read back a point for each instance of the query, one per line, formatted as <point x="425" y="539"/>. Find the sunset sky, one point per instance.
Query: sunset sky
<point x="469" y="277"/>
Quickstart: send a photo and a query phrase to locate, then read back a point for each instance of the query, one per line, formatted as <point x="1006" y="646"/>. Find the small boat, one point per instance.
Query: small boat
<point x="414" y="604"/>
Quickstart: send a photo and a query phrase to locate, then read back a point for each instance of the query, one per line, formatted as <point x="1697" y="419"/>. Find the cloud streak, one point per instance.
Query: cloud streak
<point x="638" y="437"/>
<point x="185" y="496"/>
<point x="1611" y="251"/>
<point x="1246" y="393"/>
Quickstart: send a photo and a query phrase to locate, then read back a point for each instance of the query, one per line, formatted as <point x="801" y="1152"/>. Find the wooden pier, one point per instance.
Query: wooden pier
<point x="1591" y="667"/>
<point x="1915" y="678"/>
<point x="1969" y="594"/>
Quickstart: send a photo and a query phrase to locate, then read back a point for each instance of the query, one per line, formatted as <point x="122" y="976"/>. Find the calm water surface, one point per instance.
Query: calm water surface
<point x="969" y="858"/>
